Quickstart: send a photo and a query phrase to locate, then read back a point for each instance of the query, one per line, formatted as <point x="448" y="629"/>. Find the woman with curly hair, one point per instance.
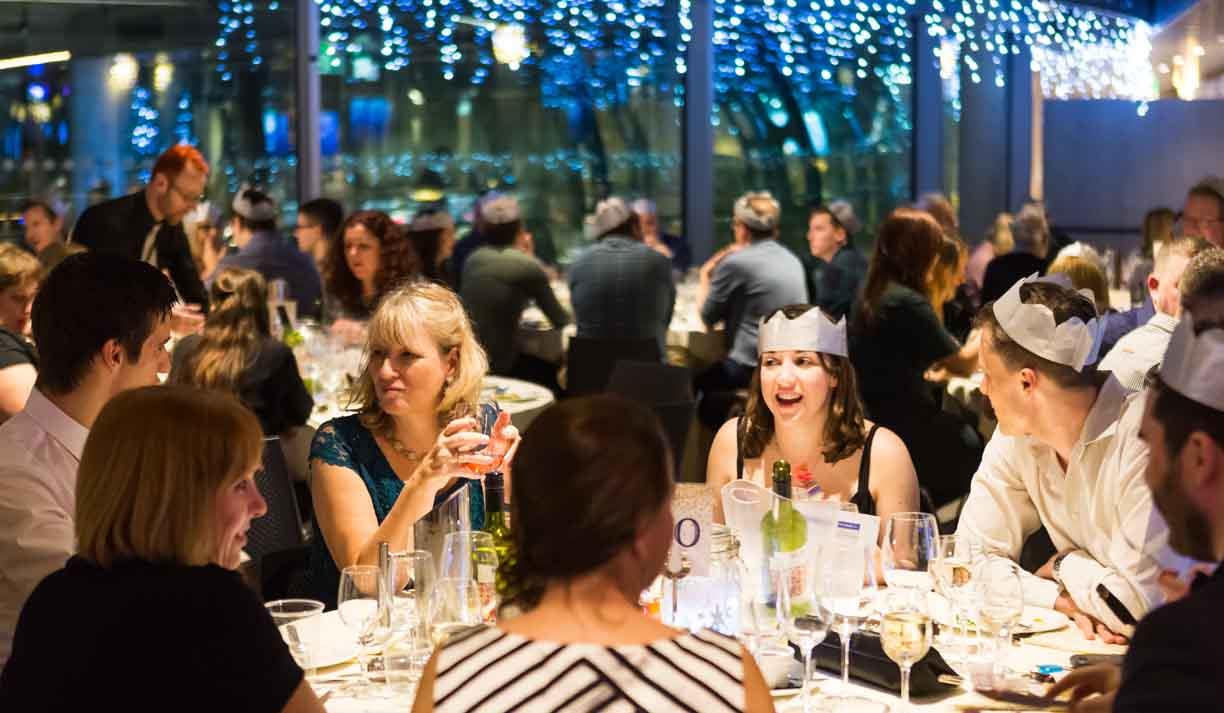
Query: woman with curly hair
<point x="372" y="257"/>
<point x="803" y="407"/>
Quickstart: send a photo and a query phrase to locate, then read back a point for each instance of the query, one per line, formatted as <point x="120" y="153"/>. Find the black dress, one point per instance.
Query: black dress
<point x="16" y="350"/>
<point x="140" y="636"/>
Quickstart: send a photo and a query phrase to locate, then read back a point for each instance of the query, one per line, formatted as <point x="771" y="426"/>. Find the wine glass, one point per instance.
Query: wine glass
<point x="358" y="604"/>
<point x="910" y="549"/>
<point x="292" y="615"/>
<point x="455" y="606"/>
<point x="470" y="554"/>
<point x="848" y="592"/>
<point x="905" y="631"/>
<point x="410" y="581"/>
<point x="954" y="579"/>
<point x="1001" y="603"/>
<point x="799" y="613"/>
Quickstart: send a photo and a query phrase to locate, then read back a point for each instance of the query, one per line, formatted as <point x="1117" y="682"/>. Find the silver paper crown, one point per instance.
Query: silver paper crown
<point x="258" y="211"/>
<point x="811" y="331"/>
<point x="1032" y="326"/>
<point x="1194" y="362"/>
<point x="609" y="213"/>
<point x="745" y="214"/>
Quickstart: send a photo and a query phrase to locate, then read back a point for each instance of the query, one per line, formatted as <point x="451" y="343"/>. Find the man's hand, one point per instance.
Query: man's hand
<point x="1092" y="688"/>
<point x="1089" y="626"/>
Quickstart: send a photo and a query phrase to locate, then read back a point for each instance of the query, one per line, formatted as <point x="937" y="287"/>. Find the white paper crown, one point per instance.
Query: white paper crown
<point x="811" y="331"/>
<point x="1194" y="362"/>
<point x="1032" y="326"/>
<point x="744" y="213"/>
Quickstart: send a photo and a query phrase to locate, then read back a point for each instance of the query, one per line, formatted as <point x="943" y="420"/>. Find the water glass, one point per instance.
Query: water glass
<point x="905" y="632"/>
<point x="469" y="554"/>
<point x="800" y="614"/>
<point x="910" y="549"/>
<point x="295" y="616"/>
<point x="454" y="607"/>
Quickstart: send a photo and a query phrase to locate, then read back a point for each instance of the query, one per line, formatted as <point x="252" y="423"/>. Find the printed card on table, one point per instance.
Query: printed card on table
<point x="693" y="512"/>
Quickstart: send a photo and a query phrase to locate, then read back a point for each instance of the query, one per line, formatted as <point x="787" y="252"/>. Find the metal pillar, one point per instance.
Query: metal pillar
<point x="307" y="100"/>
<point x="698" y="156"/>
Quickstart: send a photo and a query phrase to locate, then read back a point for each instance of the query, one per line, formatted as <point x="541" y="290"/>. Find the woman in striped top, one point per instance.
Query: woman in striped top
<point x="591" y="514"/>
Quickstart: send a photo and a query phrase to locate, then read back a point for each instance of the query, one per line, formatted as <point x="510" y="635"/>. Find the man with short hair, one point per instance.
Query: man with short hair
<point x="1202" y="286"/>
<point x="43" y="227"/>
<point x="1141" y="349"/>
<point x="836" y="269"/>
<point x="262" y="248"/>
<point x="673" y="247"/>
<point x="1202" y="214"/>
<point x="619" y="287"/>
<point x="739" y="285"/>
<point x="1175" y="662"/>
<point x="87" y="354"/>
<point x="318" y="224"/>
<point x="148" y="225"/>
<point x="1066" y="456"/>
<point x="500" y="278"/>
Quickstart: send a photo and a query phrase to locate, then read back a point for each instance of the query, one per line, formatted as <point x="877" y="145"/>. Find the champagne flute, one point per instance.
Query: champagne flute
<point x="910" y="550"/>
<point x="905" y="632"/>
<point x="799" y="613"/>
<point x="470" y="554"/>
<point x="1001" y="605"/>
<point x="358" y="604"/>
<point x="455" y="606"/>
<point x="848" y="592"/>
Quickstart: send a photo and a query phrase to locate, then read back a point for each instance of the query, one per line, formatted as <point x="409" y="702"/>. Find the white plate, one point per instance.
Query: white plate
<point x="329" y="641"/>
<point x="1034" y="620"/>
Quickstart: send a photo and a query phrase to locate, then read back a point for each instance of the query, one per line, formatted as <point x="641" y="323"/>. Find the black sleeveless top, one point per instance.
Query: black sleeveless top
<point x="862" y="497"/>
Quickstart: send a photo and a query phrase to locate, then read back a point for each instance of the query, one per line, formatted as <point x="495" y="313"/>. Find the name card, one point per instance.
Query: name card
<point x="693" y="513"/>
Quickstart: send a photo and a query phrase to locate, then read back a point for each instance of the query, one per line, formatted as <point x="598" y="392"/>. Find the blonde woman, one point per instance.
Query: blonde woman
<point x="20" y="273"/>
<point x="1085" y="274"/>
<point x="236" y="352"/>
<point x="165" y="493"/>
<point x="414" y="439"/>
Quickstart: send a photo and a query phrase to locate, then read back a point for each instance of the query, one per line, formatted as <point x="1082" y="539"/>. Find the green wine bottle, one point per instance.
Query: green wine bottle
<point x="782" y="529"/>
<point x="496" y="524"/>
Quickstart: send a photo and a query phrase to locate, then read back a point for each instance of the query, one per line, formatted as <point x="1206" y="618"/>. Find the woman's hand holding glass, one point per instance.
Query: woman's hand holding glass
<point x="458" y="452"/>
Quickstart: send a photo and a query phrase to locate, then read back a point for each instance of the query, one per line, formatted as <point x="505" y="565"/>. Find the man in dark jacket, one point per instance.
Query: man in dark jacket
<point x="148" y="226"/>
<point x="836" y="268"/>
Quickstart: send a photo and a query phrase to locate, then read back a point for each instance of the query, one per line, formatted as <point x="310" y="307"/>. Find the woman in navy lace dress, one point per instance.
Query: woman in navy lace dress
<point x="415" y="438"/>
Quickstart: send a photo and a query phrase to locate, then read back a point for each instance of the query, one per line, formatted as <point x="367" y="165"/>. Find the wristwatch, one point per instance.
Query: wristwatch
<point x="1058" y="564"/>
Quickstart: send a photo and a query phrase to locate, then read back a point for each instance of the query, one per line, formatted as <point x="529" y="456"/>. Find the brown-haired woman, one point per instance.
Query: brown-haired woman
<point x="236" y="353"/>
<point x="371" y="257"/>
<point x="592" y="518"/>
<point x="20" y="274"/>
<point x="895" y="337"/>
<point x="804" y="408"/>
<point x="165" y="494"/>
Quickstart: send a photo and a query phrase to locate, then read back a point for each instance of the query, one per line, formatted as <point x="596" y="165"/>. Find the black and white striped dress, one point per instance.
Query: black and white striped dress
<point x="491" y="671"/>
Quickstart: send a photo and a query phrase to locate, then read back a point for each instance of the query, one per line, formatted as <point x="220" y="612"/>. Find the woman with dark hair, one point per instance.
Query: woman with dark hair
<point x="895" y="337"/>
<point x="371" y="257"/>
<point x="591" y="508"/>
<point x="237" y="353"/>
<point x="804" y="408"/>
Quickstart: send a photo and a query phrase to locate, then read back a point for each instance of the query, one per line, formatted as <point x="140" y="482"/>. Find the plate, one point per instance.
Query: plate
<point x="329" y="641"/>
<point x="1034" y="620"/>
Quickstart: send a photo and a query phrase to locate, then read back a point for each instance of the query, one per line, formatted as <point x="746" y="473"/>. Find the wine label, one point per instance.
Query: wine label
<point x="485" y="573"/>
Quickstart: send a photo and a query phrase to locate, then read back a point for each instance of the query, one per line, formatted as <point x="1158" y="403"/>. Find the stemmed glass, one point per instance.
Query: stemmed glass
<point x="848" y="593"/>
<point x="954" y="579"/>
<point x="410" y="581"/>
<point x="358" y="603"/>
<point x="455" y="606"/>
<point x="1001" y="604"/>
<point x="799" y="613"/>
<point x="910" y="550"/>
<point x="469" y="554"/>
<point x="905" y="632"/>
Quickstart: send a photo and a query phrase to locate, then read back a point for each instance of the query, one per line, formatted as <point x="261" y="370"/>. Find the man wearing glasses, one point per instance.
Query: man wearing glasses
<point x="148" y="225"/>
<point x="1202" y="215"/>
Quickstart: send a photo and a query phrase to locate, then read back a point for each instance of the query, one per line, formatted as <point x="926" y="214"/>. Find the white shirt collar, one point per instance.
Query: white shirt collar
<point x="1164" y="321"/>
<point x="56" y="423"/>
<point x="1102" y="419"/>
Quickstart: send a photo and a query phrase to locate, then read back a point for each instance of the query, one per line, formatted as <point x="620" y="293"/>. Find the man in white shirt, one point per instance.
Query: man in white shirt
<point x="1066" y="456"/>
<point x="101" y="323"/>
<point x="1142" y="348"/>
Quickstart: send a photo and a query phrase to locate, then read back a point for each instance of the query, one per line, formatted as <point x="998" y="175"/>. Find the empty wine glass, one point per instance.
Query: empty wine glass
<point x="799" y="612"/>
<point x="1000" y="605"/>
<point x="455" y="606"/>
<point x="905" y="631"/>
<point x="469" y="554"/>
<point x="410" y="581"/>
<point x="954" y="579"/>
<point x="910" y="549"/>
<point x="358" y="603"/>
<point x="848" y="592"/>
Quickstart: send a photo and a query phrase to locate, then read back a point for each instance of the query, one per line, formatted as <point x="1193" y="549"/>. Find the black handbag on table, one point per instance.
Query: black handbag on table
<point x="869" y="664"/>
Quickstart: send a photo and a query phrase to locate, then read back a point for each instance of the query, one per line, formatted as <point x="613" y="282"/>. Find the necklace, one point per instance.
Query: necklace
<point x="399" y="447"/>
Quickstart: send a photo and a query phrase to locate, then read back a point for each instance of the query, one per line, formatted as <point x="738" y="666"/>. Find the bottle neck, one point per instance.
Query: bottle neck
<point x="495" y="500"/>
<point x="782" y="487"/>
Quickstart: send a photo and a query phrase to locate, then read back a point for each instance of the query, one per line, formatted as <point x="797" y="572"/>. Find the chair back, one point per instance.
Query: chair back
<point x="281" y="527"/>
<point x="651" y="383"/>
<point x="590" y="361"/>
<point x="676" y="417"/>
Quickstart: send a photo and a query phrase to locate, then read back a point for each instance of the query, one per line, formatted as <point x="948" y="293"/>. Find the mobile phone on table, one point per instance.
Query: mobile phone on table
<point x="1080" y="660"/>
